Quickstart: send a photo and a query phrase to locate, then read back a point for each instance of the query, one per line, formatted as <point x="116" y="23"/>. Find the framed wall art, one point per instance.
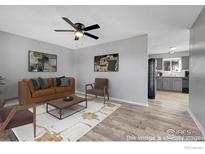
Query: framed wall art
<point x="106" y="63"/>
<point x="42" y="62"/>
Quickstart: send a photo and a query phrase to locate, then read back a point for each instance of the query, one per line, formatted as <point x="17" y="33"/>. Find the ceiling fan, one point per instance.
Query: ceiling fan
<point x="80" y="29"/>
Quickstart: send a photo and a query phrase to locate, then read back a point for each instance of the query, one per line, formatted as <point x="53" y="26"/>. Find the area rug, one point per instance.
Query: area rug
<point x="71" y="128"/>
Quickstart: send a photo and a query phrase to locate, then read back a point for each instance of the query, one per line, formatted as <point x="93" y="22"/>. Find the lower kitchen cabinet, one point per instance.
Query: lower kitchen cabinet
<point x="159" y="83"/>
<point x="169" y="83"/>
<point x="177" y="84"/>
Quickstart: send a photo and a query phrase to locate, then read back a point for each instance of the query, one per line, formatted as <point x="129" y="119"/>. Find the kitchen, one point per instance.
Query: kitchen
<point x="170" y="73"/>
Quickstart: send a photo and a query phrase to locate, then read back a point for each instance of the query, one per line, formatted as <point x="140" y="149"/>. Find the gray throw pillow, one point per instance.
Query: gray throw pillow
<point x="36" y="84"/>
<point x="58" y="80"/>
<point x="43" y="83"/>
<point x="64" y="82"/>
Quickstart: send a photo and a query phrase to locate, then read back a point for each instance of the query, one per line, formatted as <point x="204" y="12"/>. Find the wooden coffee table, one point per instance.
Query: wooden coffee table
<point x="60" y="104"/>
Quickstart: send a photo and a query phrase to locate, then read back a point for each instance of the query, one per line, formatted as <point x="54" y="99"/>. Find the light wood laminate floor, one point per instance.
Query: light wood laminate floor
<point x="166" y="118"/>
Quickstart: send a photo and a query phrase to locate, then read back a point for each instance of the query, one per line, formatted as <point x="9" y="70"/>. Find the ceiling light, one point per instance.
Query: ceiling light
<point x="172" y="50"/>
<point x="79" y="34"/>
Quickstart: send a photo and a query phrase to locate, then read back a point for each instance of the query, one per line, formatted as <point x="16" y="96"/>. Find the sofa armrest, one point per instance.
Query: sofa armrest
<point x="72" y="83"/>
<point x="23" y="92"/>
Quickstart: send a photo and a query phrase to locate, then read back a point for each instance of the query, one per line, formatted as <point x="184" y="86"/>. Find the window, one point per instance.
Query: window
<point x="172" y="65"/>
<point x="176" y="65"/>
<point x="166" y="64"/>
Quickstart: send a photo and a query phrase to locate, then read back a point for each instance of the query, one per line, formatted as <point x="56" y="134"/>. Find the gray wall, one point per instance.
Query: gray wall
<point x="197" y="71"/>
<point x="14" y="60"/>
<point x="130" y="83"/>
<point x="167" y="55"/>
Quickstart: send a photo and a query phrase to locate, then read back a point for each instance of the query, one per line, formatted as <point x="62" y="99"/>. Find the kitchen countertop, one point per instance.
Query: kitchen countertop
<point x="172" y="77"/>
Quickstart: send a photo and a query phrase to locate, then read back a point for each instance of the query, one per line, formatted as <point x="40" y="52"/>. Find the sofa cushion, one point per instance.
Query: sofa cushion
<point x="36" y="84"/>
<point x="62" y="89"/>
<point x="43" y="82"/>
<point x="64" y="82"/>
<point x="43" y="92"/>
<point x="50" y="82"/>
<point x="22" y="117"/>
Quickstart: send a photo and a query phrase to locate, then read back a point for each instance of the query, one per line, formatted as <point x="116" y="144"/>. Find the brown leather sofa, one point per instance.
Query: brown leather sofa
<point x="27" y="93"/>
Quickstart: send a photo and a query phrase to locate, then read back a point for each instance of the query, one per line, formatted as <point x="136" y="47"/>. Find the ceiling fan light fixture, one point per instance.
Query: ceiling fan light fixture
<point x="79" y="34"/>
<point x="79" y="29"/>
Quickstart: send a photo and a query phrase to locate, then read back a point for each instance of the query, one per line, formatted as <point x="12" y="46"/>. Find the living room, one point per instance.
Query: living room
<point x="79" y="74"/>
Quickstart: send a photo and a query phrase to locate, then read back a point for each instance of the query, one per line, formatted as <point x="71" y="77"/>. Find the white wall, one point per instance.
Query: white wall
<point x="14" y="60"/>
<point x="197" y="70"/>
<point x="131" y="82"/>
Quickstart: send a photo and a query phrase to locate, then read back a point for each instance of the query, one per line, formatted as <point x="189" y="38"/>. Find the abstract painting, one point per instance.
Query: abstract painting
<point x="42" y="62"/>
<point x="106" y="63"/>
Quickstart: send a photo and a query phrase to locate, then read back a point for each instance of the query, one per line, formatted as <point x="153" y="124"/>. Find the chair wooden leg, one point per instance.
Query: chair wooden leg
<point x="104" y="99"/>
<point x="108" y="97"/>
<point x="34" y="120"/>
<point x="85" y="95"/>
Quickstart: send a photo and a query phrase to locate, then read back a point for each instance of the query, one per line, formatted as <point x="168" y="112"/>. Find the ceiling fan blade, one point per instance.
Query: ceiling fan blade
<point x="64" y="30"/>
<point x="76" y="38"/>
<point x="91" y="35"/>
<point x="69" y="22"/>
<point x="96" y="26"/>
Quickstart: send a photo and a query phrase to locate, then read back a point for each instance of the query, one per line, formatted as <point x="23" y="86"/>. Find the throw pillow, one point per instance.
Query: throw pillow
<point x="43" y="83"/>
<point x="58" y="80"/>
<point x="36" y="84"/>
<point x="64" y="82"/>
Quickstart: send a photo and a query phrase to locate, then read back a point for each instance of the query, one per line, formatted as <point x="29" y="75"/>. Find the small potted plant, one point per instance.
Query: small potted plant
<point x="1" y="83"/>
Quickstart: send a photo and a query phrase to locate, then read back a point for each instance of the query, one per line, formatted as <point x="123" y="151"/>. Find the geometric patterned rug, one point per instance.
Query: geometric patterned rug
<point x="71" y="128"/>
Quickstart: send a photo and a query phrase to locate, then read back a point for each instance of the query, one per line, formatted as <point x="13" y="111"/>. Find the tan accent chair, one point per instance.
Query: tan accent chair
<point x="99" y="88"/>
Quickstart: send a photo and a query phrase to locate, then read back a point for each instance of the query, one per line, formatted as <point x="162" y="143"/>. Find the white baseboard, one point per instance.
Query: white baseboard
<point x="80" y="92"/>
<point x="202" y="130"/>
<point x="118" y="99"/>
<point x="127" y="101"/>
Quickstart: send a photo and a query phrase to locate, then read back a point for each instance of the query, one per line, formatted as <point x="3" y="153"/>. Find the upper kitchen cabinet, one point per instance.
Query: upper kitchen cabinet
<point x="185" y="62"/>
<point x="159" y="63"/>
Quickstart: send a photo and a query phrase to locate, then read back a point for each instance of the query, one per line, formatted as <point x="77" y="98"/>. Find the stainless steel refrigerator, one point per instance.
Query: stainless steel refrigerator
<point x="151" y="79"/>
